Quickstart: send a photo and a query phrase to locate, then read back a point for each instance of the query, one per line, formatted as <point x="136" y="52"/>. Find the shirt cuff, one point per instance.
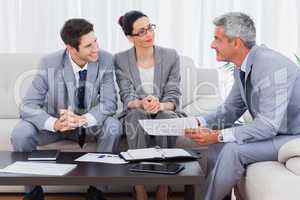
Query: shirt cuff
<point x="228" y="135"/>
<point x="91" y="120"/>
<point x="49" y="124"/>
<point x="202" y="121"/>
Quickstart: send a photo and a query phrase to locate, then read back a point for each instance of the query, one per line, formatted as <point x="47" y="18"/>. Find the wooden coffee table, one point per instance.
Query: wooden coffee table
<point x="192" y="177"/>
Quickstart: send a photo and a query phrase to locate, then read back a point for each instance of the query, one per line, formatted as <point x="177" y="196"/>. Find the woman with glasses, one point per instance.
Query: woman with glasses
<point x="148" y="77"/>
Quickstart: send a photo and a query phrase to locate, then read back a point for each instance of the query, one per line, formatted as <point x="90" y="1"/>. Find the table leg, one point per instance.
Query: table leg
<point x="193" y="192"/>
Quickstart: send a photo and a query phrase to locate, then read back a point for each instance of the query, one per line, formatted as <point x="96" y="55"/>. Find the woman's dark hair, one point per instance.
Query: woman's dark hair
<point x="73" y="29"/>
<point x="126" y="21"/>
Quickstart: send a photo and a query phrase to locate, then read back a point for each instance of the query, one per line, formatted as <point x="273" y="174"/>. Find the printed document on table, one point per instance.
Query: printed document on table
<point x="168" y="127"/>
<point x="38" y="168"/>
<point x="101" y="157"/>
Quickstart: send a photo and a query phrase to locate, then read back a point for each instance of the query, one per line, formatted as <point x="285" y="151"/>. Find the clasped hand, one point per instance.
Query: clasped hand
<point x="151" y="104"/>
<point x="68" y="120"/>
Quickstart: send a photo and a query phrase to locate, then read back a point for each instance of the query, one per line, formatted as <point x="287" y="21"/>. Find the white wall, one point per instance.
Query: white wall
<point x="33" y="25"/>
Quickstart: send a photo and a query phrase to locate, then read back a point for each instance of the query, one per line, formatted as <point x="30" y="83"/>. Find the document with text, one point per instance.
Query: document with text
<point x="168" y="127"/>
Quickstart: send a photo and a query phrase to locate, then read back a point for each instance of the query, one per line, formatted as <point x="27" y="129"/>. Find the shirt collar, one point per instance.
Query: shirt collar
<point x="244" y="64"/>
<point x="77" y="68"/>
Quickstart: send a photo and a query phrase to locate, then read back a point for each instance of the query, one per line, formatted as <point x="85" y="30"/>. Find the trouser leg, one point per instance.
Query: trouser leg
<point x="230" y="165"/>
<point x="25" y="138"/>
<point x="109" y="135"/>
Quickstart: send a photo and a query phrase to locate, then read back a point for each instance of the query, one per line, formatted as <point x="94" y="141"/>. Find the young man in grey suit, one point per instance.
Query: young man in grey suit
<point x="71" y="97"/>
<point x="267" y="84"/>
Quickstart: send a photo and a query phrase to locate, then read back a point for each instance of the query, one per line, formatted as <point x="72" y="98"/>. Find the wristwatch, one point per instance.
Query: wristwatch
<point x="220" y="138"/>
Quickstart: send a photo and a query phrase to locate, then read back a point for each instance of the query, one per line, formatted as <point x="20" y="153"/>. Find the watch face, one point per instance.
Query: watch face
<point x="85" y="125"/>
<point x="220" y="138"/>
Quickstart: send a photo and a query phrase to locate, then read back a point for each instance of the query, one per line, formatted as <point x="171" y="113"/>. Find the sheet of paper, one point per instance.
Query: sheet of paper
<point x="168" y="127"/>
<point x="101" y="157"/>
<point x="51" y="169"/>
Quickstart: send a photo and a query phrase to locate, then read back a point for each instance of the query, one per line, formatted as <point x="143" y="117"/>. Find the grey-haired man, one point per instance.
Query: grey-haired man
<point x="266" y="84"/>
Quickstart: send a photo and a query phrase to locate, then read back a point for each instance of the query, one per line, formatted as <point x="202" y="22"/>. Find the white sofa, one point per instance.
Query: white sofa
<point x="199" y="88"/>
<point x="274" y="180"/>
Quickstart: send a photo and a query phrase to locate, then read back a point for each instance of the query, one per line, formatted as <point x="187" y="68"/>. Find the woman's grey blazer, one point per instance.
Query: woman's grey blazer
<point x="166" y="76"/>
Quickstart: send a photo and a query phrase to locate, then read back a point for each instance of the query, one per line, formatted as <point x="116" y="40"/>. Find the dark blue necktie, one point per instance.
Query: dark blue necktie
<point x="81" y="107"/>
<point x="242" y="77"/>
<point x="81" y="89"/>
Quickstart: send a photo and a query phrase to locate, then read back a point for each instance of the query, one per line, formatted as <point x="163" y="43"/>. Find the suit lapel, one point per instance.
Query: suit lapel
<point x="92" y="73"/>
<point x="133" y="68"/>
<point x="157" y="71"/>
<point x="249" y="63"/>
<point x="249" y="66"/>
<point x="69" y="79"/>
<point x="242" y="89"/>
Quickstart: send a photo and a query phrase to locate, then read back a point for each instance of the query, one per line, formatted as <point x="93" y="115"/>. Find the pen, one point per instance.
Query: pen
<point x="109" y="156"/>
<point x="103" y="156"/>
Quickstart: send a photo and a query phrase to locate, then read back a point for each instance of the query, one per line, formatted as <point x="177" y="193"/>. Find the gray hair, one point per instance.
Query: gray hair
<point x="237" y="24"/>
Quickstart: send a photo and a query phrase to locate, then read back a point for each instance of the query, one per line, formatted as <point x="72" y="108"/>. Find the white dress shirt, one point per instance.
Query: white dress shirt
<point x="91" y="120"/>
<point x="147" y="78"/>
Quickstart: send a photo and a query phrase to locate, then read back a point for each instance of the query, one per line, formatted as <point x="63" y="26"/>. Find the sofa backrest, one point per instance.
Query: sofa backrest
<point x="18" y="70"/>
<point x="197" y="82"/>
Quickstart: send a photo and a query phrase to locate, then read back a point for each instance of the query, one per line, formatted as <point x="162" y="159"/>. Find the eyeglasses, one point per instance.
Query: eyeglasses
<point x="144" y="31"/>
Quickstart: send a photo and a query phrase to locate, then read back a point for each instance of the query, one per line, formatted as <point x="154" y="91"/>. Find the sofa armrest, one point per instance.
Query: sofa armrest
<point x="289" y="154"/>
<point x="293" y="164"/>
<point x="289" y="150"/>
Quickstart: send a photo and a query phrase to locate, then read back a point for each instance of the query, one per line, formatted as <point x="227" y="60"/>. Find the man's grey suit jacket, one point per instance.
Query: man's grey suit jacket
<point x="271" y="95"/>
<point x="54" y="88"/>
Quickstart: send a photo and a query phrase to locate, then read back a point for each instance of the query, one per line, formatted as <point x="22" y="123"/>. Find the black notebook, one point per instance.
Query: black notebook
<point x="43" y="155"/>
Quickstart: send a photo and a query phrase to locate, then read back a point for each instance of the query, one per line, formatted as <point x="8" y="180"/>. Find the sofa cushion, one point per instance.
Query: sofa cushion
<point x="270" y="181"/>
<point x="70" y="146"/>
<point x="6" y="127"/>
<point x="202" y="106"/>
<point x="289" y="150"/>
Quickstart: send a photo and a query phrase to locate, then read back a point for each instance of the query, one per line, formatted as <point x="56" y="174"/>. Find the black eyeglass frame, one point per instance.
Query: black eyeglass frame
<point x="144" y="31"/>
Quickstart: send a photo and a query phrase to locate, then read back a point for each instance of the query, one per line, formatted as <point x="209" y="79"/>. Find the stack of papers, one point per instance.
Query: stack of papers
<point x="168" y="127"/>
<point x="38" y="168"/>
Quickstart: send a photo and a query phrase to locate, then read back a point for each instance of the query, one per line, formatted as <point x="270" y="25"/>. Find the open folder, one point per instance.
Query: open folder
<point x="158" y="154"/>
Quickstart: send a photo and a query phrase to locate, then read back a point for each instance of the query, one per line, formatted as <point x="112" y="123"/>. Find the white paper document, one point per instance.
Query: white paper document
<point x="38" y="168"/>
<point x="101" y="157"/>
<point x="168" y="127"/>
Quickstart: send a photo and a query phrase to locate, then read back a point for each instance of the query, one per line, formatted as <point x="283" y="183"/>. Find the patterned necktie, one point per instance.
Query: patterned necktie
<point x="81" y="106"/>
